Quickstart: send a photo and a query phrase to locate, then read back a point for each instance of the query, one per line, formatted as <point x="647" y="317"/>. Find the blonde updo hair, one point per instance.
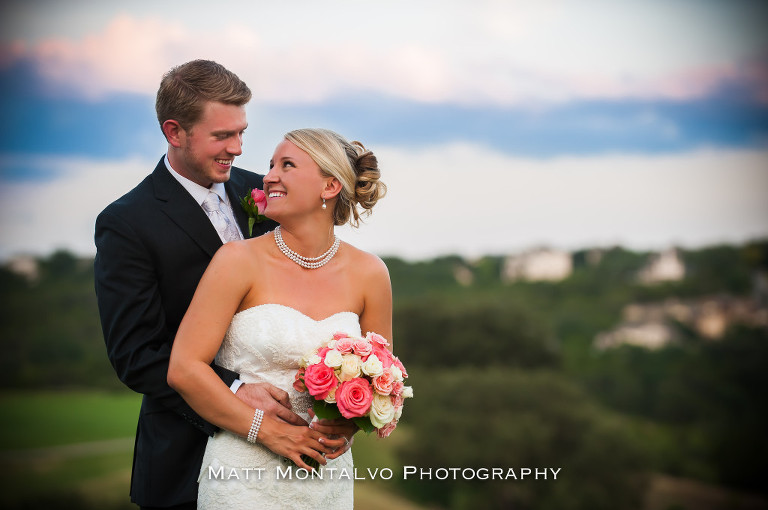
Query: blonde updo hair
<point x="355" y="167"/>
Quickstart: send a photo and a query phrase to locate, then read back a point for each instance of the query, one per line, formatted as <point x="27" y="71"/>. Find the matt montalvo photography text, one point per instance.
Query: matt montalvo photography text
<point x="408" y="473"/>
<point x="482" y="473"/>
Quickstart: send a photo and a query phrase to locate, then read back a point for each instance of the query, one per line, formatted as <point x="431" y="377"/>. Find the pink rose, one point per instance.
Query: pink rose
<point x="397" y="401"/>
<point x="397" y="387"/>
<point x="298" y="383"/>
<point x="260" y="199"/>
<point x="387" y="429"/>
<point x="384" y="356"/>
<point x="353" y="398"/>
<point x="383" y="383"/>
<point x="340" y="334"/>
<point x="344" y="345"/>
<point x="376" y="338"/>
<point x="399" y="365"/>
<point x="362" y="348"/>
<point x="322" y="351"/>
<point x="320" y="379"/>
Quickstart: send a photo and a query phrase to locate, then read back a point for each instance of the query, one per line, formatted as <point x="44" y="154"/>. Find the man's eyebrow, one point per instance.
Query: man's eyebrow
<point x="228" y="131"/>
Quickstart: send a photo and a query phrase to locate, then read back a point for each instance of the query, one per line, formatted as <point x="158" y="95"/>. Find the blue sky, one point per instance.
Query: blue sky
<point x="499" y="125"/>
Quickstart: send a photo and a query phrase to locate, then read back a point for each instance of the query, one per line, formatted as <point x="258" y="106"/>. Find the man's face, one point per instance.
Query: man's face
<point x="209" y="147"/>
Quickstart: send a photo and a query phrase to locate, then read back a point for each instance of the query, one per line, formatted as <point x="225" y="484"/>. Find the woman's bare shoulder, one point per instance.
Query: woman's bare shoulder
<point x="242" y="253"/>
<point x="367" y="264"/>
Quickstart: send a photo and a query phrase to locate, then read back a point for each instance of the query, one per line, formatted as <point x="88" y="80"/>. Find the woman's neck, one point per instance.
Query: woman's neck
<point x="308" y="239"/>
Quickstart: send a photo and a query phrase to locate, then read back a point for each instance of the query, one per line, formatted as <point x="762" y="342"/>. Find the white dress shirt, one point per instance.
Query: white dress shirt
<point x="199" y="193"/>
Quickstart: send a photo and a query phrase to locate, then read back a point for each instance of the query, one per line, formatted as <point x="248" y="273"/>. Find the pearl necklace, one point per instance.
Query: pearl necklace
<point x="306" y="262"/>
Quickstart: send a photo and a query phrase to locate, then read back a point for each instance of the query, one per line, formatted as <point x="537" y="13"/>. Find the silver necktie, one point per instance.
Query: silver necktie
<point x="213" y="208"/>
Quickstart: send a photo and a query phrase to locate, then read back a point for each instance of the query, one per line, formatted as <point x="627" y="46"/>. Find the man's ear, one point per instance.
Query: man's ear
<point x="332" y="188"/>
<point x="173" y="132"/>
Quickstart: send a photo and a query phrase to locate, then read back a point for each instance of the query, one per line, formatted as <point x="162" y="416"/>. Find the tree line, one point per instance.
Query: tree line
<point x="505" y="374"/>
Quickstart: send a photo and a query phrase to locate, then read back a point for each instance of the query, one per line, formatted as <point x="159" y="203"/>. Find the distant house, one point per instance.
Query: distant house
<point x="538" y="265"/>
<point x="666" y="266"/>
<point x="651" y="335"/>
<point x="25" y="266"/>
<point x="463" y="275"/>
<point x="594" y="256"/>
<point x="651" y="325"/>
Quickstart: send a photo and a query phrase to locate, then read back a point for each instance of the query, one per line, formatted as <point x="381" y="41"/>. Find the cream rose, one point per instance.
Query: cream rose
<point x="373" y="366"/>
<point x="350" y="367"/>
<point x="382" y="410"/>
<point x="333" y="358"/>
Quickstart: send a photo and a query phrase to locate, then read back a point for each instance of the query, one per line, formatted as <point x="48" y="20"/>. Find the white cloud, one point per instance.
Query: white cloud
<point x="41" y="216"/>
<point x="462" y="199"/>
<point x="469" y="200"/>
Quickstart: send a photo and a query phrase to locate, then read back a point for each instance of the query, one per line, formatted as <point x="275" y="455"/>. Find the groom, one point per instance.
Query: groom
<point x="153" y="245"/>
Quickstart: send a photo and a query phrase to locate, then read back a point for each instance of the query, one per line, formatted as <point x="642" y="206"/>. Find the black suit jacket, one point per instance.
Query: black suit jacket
<point x="153" y="245"/>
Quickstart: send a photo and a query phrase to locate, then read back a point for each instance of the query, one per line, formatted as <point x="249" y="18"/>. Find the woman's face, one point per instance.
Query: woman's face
<point x="294" y="183"/>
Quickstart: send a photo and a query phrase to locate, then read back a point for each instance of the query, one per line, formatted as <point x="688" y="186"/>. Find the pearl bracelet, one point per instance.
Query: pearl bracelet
<point x="253" y="432"/>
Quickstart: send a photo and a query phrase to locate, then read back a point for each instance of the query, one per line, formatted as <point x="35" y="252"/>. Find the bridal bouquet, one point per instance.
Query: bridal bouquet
<point x="357" y="378"/>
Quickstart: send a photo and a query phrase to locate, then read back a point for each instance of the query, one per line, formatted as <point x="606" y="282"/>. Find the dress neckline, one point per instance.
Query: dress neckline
<point x="278" y="305"/>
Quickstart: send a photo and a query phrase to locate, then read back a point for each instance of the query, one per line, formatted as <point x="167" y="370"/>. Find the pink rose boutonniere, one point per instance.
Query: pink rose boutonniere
<point x="254" y="204"/>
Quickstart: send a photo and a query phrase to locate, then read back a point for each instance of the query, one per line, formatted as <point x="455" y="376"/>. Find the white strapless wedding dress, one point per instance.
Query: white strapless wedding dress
<point x="266" y="343"/>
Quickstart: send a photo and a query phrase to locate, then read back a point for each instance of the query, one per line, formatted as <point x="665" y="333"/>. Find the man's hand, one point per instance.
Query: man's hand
<point x="270" y="399"/>
<point x="339" y="428"/>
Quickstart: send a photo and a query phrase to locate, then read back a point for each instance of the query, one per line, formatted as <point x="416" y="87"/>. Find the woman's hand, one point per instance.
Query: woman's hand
<point x="292" y="441"/>
<point x="342" y="428"/>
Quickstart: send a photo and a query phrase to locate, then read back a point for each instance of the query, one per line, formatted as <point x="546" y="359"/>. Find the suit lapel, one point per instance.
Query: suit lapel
<point x="236" y="189"/>
<point x="182" y="209"/>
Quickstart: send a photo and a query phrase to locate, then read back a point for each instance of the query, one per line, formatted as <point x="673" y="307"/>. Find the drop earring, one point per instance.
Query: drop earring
<point x="323" y="206"/>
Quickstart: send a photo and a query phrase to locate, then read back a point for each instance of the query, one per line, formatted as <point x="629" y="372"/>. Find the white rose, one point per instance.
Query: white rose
<point x="313" y="360"/>
<point x="333" y="358"/>
<point x="398" y="412"/>
<point x="408" y="392"/>
<point x="382" y="410"/>
<point x="331" y="398"/>
<point x="396" y="373"/>
<point x="373" y="366"/>
<point x="350" y="367"/>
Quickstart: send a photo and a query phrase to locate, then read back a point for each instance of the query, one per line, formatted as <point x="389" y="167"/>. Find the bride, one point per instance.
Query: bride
<point x="265" y="302"/>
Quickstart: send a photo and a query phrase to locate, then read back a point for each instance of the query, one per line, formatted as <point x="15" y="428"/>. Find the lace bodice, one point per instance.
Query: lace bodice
<point x="266" y="343"/>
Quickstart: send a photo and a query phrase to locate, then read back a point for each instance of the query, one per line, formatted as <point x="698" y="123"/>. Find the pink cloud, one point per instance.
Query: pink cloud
<point x="128" y="55"/>
<point x="687" y="84"/>
<point x="131" y="54"/>
<point x="11" y="52"/>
